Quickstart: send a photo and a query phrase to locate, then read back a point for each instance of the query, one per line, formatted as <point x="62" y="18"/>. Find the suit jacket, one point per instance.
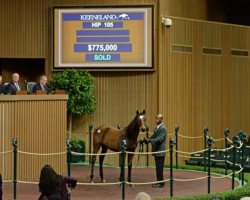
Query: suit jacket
<point x="158" y="140"/>
<point x="38" y="87"/>
<point x="11" y="88"/>
<point x="2" y="89"/>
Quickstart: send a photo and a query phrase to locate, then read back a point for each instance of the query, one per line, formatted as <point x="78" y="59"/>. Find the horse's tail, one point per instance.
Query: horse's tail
<point x="98" y="134"/>
<point x="98" y="130"/>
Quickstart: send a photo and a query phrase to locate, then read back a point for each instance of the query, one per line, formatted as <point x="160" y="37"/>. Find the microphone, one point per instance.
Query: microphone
<point x="53" y="89"/>
<point x="24" y="80"/>
<point x="51" y="92"/>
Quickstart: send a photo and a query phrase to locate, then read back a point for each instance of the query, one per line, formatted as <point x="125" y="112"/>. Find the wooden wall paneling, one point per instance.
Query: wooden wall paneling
<point x="226" y="79"/>
<point x="16" y="18"/>
<point x="183" y="8"/>
<point x="197" y="88"/>
<point x="177" y="90"/>
<point x="197" y="92"/>
<point x="240" y="94"/>
<point x="39" y="124"/>
<point x="210" y="10"/>
<point x="239" y="80"/>
<point x="212" y="80"/>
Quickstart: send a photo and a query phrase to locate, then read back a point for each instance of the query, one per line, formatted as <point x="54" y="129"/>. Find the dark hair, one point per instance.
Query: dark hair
<point x="49" y="180"/>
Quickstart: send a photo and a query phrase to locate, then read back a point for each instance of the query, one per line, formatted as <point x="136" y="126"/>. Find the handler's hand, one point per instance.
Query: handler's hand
<point x="147" y="140"/>
<point x="141" y="141"/>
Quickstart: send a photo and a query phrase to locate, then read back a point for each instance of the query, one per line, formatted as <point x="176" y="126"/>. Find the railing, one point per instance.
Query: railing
<point x="237" y="144"/>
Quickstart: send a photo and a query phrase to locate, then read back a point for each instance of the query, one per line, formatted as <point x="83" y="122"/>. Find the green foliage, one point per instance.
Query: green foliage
<point x="77" y="145"/>
<point x="79" y="85"/>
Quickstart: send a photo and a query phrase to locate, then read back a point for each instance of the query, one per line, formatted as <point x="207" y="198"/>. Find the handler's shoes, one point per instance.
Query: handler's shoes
<point x="158" y="185"/>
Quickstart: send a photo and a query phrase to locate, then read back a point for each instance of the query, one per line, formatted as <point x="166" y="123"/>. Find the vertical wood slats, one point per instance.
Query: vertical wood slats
<point x="24" y="28"/>
<point x="39" y="125"/>
<point x="205" y="89"/>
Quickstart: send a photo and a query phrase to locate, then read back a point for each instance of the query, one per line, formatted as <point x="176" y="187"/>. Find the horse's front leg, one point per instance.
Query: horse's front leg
<point x="93" y="159"/>
<point x="130" y="162"/>
<point x="101" y="159"/>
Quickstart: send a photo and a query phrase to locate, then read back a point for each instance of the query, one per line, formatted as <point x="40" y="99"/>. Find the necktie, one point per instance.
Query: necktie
<point x="17" y="87"/>
<point x="42" y="87"/>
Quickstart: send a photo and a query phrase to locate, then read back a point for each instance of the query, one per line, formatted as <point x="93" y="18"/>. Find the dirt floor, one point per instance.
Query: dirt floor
<point x="114" y="192"/>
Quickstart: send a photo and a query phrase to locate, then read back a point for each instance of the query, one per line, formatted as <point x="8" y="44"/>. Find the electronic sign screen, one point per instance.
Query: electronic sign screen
<point x="103" y="38"/>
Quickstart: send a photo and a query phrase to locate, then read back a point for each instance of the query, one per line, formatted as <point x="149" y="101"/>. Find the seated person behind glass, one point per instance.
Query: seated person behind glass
<point x="2" y="90"/>
<point x="41" y="85"/>
<point x="14" y="85"/>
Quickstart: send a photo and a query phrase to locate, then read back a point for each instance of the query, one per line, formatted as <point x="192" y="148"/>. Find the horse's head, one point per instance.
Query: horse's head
<point x="140" y="118"/>
<point x="136" y="125"/>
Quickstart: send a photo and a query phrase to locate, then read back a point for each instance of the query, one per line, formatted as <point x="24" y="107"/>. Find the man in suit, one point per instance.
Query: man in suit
<point x="41" y="85"/>
<point x="158" y="141"/>
<point x="2" y="90"/>
<point x="14" y="85"/>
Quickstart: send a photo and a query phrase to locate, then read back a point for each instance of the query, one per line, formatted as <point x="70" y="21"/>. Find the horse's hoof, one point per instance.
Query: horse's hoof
<point x="103" y="181"/>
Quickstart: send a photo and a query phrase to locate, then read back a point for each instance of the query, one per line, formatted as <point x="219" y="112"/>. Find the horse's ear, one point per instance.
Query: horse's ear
<point x="137" y="112"/>
<point x="143" y="112"/>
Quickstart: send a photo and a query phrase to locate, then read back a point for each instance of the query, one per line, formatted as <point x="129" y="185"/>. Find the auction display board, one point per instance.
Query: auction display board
<point x="103" y="38"/>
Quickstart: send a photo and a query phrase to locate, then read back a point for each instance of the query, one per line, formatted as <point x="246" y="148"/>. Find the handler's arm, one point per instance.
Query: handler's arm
<point x="159" y="138"/>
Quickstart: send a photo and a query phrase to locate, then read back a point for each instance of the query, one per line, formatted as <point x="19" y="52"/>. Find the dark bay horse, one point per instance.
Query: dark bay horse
<point x="107" y="137"/>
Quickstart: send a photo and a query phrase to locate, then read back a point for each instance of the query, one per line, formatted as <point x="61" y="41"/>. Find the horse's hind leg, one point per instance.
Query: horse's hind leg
<point x="93" y="159"/>
<point x="101" y="159"/>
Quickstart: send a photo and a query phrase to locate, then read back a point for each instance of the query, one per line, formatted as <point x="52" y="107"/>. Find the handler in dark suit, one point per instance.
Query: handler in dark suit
<point x="41" y="85"/>
<point x="2" y="90"/>
<point x="14" y="85"/>
<point x="158" y="141"/>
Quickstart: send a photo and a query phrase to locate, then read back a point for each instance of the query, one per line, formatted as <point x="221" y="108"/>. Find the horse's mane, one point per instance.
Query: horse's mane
<point x="133" y="128"/>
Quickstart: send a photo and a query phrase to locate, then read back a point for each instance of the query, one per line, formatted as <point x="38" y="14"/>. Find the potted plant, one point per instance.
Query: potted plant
<point x="77" y="145"/>
<point x="79" y="85"/>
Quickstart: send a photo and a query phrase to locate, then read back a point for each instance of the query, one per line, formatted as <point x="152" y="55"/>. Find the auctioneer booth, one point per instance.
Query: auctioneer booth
<point x="39" y="123"/>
